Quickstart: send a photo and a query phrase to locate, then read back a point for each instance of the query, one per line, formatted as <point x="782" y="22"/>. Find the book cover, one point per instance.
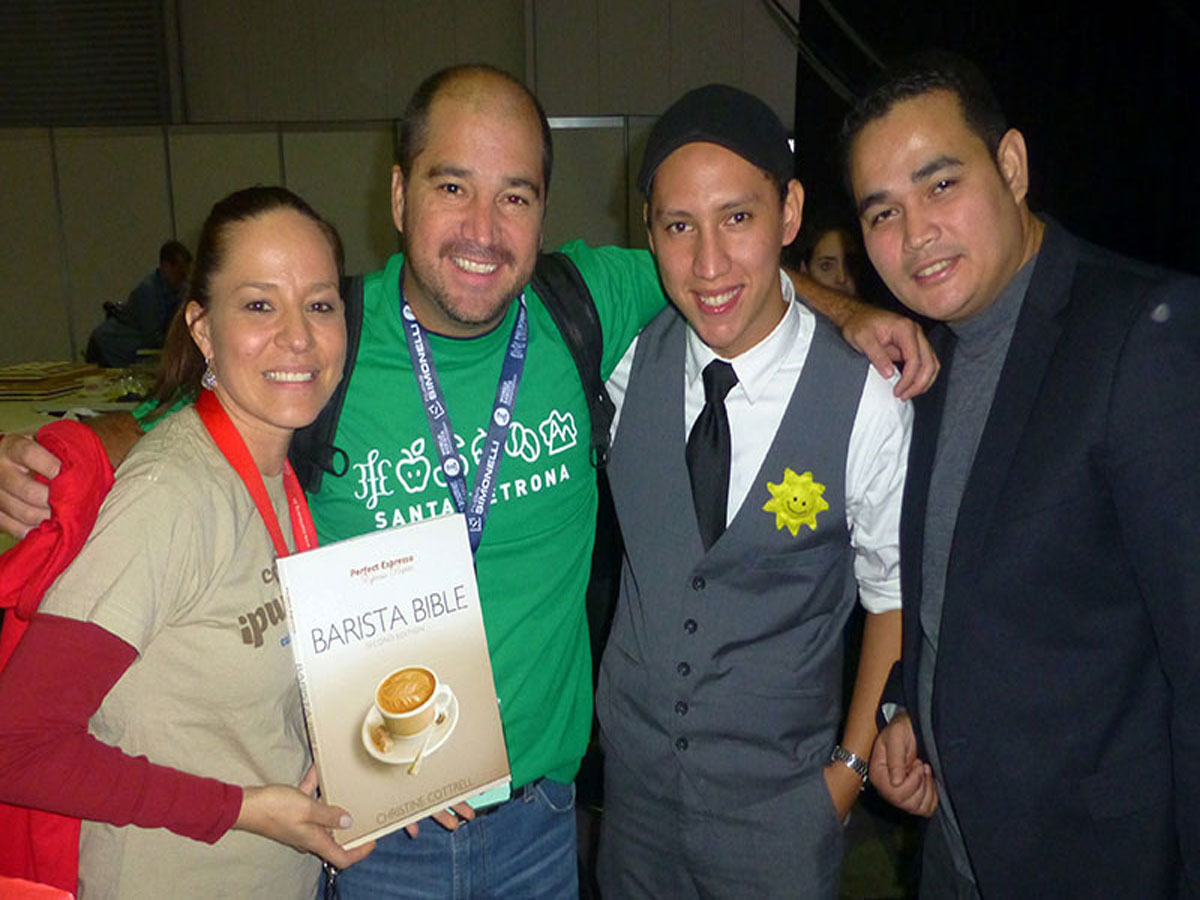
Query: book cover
<point x="394" y="673"/>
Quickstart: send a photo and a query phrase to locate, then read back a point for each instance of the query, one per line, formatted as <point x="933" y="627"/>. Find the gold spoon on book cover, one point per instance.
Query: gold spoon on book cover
<point x="416" y="763"/>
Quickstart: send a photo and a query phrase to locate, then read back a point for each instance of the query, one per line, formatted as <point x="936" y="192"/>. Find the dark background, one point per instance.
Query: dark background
<point x="1106" y="101"/>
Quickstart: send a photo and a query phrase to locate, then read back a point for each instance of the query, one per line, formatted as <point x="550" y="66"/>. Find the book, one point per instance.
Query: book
<point x="394" y="674"/>
<point x="42" y="380"/>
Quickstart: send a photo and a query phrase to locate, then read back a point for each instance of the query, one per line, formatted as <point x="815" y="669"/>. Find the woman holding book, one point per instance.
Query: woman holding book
<point x="154" y="694"/>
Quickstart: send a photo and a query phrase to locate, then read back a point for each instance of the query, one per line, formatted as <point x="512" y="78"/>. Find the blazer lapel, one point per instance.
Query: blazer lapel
<point x="1029" y="354"/>
<point x="927" y="420"/>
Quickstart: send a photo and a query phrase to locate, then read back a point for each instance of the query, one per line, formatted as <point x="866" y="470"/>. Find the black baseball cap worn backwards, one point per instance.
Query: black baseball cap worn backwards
<point x="726" y="116"/>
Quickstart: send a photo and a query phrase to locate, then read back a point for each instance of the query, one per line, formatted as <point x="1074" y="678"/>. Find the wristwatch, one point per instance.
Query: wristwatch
<point x="841" y="755"/>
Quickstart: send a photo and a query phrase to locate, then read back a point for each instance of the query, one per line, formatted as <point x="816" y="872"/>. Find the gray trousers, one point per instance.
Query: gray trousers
<point x="789" y="845"/>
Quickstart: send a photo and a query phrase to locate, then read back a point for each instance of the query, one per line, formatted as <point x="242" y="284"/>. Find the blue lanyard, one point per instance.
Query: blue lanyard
<point x="432" y="398"/>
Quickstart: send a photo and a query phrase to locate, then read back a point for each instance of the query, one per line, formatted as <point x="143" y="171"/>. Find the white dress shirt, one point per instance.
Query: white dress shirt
<point x="877" y="456"/>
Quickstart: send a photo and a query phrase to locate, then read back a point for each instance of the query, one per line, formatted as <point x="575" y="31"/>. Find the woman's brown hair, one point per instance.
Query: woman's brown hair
<point x="182" y="363"/>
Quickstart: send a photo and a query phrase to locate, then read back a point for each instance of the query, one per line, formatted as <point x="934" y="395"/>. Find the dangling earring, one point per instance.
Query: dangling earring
<point x="208" y="380"/>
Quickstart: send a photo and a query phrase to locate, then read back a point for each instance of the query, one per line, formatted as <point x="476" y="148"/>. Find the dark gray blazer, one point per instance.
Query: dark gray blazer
<point x="1066" y="699"/>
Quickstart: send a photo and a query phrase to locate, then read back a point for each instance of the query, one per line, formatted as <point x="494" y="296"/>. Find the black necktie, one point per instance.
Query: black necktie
<point x="708" y="453"/>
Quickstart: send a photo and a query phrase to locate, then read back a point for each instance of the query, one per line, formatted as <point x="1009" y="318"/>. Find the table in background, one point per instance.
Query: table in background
<point x="96" y="393"/>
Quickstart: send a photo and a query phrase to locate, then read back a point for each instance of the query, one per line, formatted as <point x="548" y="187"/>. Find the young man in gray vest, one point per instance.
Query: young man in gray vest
<point x="757" y="471"/>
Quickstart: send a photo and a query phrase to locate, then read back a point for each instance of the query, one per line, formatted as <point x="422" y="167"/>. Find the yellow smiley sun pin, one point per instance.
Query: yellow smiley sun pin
<point x="796" y="501"/>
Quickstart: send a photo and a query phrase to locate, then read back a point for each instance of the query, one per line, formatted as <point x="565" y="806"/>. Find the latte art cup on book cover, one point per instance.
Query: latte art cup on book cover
<point x="409" y="699"/>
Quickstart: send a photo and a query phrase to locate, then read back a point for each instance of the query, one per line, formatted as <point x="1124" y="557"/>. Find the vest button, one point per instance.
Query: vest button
<point x="698" y="583"/>
<point x="681" y="743"/>
<point x="689" y="625"/>
<point x="684" y="669"/>
<point x="681" y="708"/>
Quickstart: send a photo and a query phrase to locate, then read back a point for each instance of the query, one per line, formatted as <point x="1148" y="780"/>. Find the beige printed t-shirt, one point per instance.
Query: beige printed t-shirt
<point x="180" y="566"/>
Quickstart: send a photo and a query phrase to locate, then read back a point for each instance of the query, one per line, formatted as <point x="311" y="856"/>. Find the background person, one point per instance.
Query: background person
<point x="142" y="320"/>
<point x="140" y="666"/>
<point x="829" y="253"/>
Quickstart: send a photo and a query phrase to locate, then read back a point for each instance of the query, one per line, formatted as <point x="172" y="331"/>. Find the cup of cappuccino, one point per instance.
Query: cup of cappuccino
<point x="409" y="699"/>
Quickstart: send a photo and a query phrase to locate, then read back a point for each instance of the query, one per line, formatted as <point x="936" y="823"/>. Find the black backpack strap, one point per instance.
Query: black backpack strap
<point x="566" y="297"/>
<point x="312" y="453"/>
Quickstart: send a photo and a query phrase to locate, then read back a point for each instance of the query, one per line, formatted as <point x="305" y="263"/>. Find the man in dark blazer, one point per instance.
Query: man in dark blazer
<point x="1050" y="539"/>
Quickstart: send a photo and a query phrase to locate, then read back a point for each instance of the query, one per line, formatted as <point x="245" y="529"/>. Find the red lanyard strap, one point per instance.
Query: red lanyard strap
<point x="233" y="448"/>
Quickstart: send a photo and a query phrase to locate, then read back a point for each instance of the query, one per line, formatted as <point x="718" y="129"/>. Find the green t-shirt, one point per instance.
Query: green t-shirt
<point x="535" y="556"/>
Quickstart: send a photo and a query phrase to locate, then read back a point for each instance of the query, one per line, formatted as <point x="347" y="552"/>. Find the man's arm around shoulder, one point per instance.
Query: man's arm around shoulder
<point x="884" y="337"/>
<point x="26" y="467"/>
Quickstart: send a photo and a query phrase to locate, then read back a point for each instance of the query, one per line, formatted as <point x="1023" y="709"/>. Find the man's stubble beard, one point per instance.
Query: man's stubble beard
<point x="435" y="292"/>
<point x="440" y="298"/>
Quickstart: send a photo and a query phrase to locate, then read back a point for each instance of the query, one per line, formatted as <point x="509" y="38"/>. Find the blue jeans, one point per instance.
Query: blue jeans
<point x="524" y="848"/>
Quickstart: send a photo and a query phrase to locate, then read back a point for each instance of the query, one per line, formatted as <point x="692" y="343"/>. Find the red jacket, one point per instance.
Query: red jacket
<point x="40" y="846"/>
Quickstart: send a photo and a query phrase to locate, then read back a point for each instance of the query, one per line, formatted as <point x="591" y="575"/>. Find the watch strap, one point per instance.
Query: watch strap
<point x="852" y="761"/>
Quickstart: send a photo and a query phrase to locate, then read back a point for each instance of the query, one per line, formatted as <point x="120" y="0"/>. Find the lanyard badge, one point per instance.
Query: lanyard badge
<point x="476" y="504"/>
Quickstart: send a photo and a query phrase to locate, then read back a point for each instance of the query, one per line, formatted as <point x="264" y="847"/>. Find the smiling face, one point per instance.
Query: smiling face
<point x="944" y="222"/>
<point x="716" y="226"/>
<point x="796" y="501"/>
<point x="472" y="208"/>
<point x="274" y="330"/>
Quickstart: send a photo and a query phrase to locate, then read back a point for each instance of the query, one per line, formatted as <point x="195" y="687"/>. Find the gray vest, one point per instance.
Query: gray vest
<point x="723" y="669"/>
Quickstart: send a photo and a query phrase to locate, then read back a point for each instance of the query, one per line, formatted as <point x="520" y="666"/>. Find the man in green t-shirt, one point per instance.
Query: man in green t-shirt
<point x="469" y="200"/>
<point x="469" y="196"/>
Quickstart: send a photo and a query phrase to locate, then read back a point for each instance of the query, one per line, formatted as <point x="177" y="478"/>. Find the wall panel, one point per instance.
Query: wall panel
<point x="33" y="305"/>
<point x="768" y="59"/>
<point x="706" y="43"/>
<point x="490" y="31"/>
<point x="587" y="191"/>
<point x="639" y="134"/>
<point x="346" y="175"/>
<point x="351" y="60"/>
<point x="207" y="164"/>
<point x="418" y="42"/>
<point x="115" y="215"/>
<point x="220" y="75"/>
<point x="309" y="60"/>
<point x="566" y="40"/>
<point x="634" y="47"/>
